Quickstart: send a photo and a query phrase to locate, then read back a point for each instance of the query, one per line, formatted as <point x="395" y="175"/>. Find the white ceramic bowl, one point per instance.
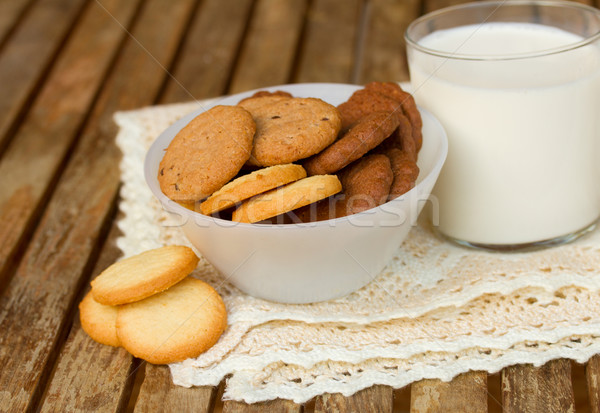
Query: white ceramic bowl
<point x="302" y="263"/>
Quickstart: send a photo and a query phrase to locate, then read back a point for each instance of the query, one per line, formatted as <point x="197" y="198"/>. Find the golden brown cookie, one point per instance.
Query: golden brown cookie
<point x="99" y="321"/>
<point x="289" y="129"/>
<point x="143" y="275"/>
<point x="369" y="132"/>
<point x="263" y="93"/>
<point x="287" y="198"/>
<point x="179" y="323"/>
<point x="207" y="153"/>
<point x="254" y="183"/>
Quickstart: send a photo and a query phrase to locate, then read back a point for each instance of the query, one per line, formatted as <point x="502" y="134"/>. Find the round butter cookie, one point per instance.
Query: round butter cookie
<point x="289" y="129"/>
<point x="179" y="323"/>
<point x="254" y="183"/>
<point x="207" y="153"/>
<point x="99" y="321"/>
<point x="143" y="275"/>
<point x="287" y="198"/>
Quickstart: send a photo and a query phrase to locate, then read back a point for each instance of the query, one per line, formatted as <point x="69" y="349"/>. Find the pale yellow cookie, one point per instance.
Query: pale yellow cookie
<point x="179" y="323"/>
<point x="143" y="275"/>
<point x="99" y="321"/>
<point x="287" y="198"/>
<point x="254" y="183"/>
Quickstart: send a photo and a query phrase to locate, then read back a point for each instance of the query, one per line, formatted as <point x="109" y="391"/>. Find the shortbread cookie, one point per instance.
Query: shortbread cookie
<point x="366" y="184"/>
<point x="289" y="129"/>
<point x="143" y="275"/>
<point x="254" y="183"/>
<point x="207" y="153"/>
<point x="99" y="321"/>
<point x="179" y="323"/>
<point x="369" y="132"/>
<point x="287" y="198"/>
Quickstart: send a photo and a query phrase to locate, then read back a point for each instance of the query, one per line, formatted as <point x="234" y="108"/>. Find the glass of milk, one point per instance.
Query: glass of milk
<point x="517" y="86"/>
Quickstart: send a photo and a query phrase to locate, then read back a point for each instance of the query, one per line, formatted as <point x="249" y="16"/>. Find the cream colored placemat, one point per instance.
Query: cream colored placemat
<point x="436" y="311"/>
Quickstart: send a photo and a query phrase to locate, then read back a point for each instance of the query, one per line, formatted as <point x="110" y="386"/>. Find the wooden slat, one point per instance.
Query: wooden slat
<point x="272" y="406"/>
<point x="158" y="393"/>
<point x="100" y="374"/>
<point x="431" y="5"/>
<point x="383" y="51"/>
<point x="538" y="390"/>
<point x="10" y="15"/>
<point x="53" y="270"/>
<point x="270" y="45"/>
<point x="592" y="373"/>
<point x="465" y="393"/>
<point x="27" y="54"/>
<point x="209" y="51"/>
<point x="329" y="45"/>
<point x="374" y="399"/>
<point x="36" y="153"/>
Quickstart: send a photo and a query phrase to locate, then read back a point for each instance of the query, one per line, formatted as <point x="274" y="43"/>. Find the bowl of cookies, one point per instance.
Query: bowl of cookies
<point x="299" y="193"/>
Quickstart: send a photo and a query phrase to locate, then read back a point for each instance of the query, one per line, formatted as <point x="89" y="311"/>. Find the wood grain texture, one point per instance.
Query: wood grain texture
<point x="36" y="153"/>
<point x="431" y="5"/>
<point x="11" y="12"/>
<point x="270" y="45"/>
<point x="592" y="373"/>
<point x="374" y="399"/>
<point x="100" y="374"/>
<point x="209" y="51"/>
<point x="53" y="270"/>
<point x="465" y="393"/>
<point x="272" y="406"/>
<point x="158" y="393"/>
<point x="545" y="389"/>
<point x="28" y="53"/>
<point x="383" y="51"/>
<point x="329" y="44"/>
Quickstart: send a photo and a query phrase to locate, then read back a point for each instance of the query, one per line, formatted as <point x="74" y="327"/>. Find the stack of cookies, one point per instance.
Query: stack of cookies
<point x="278" y="158"/>
<point x="149" y="305"/>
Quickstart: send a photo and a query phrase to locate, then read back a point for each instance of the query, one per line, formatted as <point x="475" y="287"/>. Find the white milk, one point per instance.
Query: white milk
<point x="523" y="134"/>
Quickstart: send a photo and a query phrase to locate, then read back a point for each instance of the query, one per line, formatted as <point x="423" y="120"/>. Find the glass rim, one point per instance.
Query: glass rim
<point x="512" y="56"/>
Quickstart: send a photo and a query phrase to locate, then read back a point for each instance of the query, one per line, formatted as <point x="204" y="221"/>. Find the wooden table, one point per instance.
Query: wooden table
<point x="65" y="67"/>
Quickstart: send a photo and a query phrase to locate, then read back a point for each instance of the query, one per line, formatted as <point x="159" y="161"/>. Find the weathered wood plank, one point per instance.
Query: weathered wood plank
<point x="373" y="399"/>
<point x="272" y="406"/>
<point x="158" y="393"/>
<point x="54" y="268"/>
<point x="209" y="51"/>
<point x="329" y="44"/>
<point x="270" y="45"/>
<point x="465" y="393"/>
<point x="11" y="12"/>
<point x="28" y="53"/>
<point x="36" y="153"/>
<point x="431" y="5"/>
<point x="592" y="373"/>
<point x="383" y="51"/>
<point x="101" y="374"/>
<point x="531" y="389"/>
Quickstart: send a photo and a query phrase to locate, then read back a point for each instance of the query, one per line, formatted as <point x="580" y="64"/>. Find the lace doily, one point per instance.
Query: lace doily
<point x="436" y="311"/>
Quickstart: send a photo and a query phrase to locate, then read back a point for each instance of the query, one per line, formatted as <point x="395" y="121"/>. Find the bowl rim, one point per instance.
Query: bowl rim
<point x="174" y="207"/>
